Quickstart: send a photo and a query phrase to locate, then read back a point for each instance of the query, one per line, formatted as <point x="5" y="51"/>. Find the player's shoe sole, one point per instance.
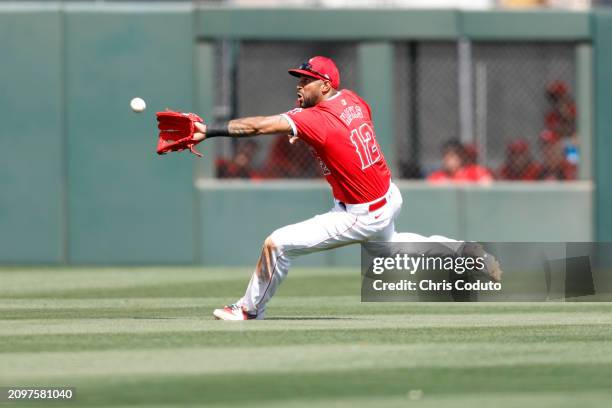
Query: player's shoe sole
<point x="233" y="313"/>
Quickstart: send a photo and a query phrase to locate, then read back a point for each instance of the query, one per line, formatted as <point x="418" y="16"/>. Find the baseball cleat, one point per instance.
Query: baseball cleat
<point x="495" y="272"/>
<point x="492" y="267"/>
<point x="233" y="312"/>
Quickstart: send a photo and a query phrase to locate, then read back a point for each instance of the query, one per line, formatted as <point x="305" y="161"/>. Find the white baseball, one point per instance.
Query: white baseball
<point x="138" y="104"/>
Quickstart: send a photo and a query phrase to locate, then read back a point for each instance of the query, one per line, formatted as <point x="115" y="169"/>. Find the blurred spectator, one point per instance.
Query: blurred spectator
<point x="471" y="170"/>
<point x="519" y="163"/>
<point x="555" y="166"/>
<point x="453" y="156"/>
<point x="561" y="117"/>
<point x="458" y="165"/>
<point x="241" y="165"/>
<point x="286" y="160"/>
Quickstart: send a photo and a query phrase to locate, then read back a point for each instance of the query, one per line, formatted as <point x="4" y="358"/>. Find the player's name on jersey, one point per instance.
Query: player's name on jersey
<point x="430" y="285"/>
<point x="350" y="113"/>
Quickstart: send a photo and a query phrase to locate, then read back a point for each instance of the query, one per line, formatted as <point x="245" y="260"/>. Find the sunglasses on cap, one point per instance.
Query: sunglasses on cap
<point x="307" y="66"/>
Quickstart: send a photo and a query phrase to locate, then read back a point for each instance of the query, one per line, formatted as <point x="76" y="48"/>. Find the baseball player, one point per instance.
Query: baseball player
<point x="337" y="125"/>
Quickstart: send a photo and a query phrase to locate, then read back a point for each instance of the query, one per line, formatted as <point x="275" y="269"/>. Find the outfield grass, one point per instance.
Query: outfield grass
<point x="145" y="337"/>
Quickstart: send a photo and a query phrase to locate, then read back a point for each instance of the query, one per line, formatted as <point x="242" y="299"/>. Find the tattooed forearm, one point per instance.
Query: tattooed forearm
<point x="244" y="127"/>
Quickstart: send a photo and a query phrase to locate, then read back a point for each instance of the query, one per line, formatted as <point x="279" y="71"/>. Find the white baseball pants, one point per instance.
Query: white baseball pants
<point x="343" y="225"/>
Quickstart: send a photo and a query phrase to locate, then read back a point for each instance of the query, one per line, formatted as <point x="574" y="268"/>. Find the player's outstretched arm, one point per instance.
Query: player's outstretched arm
<point x="243" y="127"/>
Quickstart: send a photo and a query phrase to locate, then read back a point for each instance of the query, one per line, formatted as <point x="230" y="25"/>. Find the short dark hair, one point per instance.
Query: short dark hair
<point x="453" y="145"/>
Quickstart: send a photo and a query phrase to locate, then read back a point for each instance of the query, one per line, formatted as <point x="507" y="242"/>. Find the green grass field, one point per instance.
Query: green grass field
<point x="145" y="337"/>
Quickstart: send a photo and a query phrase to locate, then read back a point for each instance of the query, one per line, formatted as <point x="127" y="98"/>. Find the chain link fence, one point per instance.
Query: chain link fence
<point x="484" y="111"/>
<point x="463" y="111"/>
<point x="524" y="109"/>
<point x="426" y="101"/>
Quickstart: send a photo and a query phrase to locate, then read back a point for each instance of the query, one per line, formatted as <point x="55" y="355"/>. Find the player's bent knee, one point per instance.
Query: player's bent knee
<point x="269" y="244"/>
<point x="275" y="243"/>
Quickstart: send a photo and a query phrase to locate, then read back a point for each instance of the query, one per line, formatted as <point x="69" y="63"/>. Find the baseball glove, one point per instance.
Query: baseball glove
<point x="176" y="131"/>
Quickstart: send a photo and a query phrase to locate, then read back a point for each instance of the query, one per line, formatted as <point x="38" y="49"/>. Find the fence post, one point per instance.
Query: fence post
<point x="602" y="41"/>
<point x="376" y="85"/>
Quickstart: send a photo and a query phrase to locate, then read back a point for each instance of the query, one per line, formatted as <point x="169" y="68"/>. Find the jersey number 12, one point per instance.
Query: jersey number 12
<point x="365" y="145"/>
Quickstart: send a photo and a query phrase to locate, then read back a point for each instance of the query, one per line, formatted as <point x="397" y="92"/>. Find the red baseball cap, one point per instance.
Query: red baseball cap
<point x="549" y="137"/>
<point x="557" y="88"/>
<point x="518" y="146"/>
<point x="321" y="68"/>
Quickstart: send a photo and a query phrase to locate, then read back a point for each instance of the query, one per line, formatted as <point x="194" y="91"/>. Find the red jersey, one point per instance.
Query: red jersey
<point x="530" y="172"/>
<point x="341" y="134"/>
<point x="471" y="173"/>
<point x="474" y="173"/>
<point x="562" y="171"/>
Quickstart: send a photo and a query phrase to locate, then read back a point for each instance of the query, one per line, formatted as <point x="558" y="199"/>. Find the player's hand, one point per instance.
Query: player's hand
<point x="201" y="134"/>
<point x="293" y="139"/>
